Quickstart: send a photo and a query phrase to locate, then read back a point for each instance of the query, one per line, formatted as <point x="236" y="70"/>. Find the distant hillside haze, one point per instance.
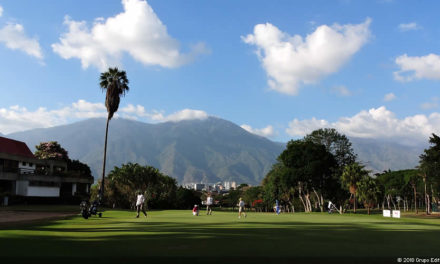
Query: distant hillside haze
<point x="209" y="150"/>
<point x="380" y="155"/>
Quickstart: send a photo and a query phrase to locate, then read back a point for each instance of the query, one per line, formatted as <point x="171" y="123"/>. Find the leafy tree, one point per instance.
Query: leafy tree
<point x="430" y="170"/>
<point x="395" y="185"/>
<point x="341" y="149"/>
<point x="231" y="199"/>
<point x="351" y="176"/>
<point x="369" y="192"/>
<point x="412" y="178"/>
<point x="335" y="143"/>
<point x="79" y="167"/>
<point x="124" y="182"/>
<point x="115" y="83"/>
<point x="308" y="166"/>
<point x="186" y="199"/>
<point x="51" y="150"/>
<point x="253" y="196"/>
<point x="280" y="184"/>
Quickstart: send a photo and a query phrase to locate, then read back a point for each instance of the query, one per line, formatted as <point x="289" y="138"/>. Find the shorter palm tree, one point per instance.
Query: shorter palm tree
<point x="351" y="176"/>
<point x="369" y="192"/>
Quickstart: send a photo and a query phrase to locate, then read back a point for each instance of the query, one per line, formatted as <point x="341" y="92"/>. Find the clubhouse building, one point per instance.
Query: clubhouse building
<point x="23" y="175"/>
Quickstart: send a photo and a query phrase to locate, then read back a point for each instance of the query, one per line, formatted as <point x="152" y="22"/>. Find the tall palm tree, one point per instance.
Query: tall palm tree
<point x="351" y="176"/>
<point x="115" y="83"/>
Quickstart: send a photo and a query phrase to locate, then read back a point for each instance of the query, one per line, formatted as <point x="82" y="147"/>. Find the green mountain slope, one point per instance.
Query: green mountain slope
<point x="208" y="150"/>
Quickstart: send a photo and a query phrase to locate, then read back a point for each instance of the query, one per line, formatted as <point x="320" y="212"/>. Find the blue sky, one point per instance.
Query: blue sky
<point x="278" y="68"/>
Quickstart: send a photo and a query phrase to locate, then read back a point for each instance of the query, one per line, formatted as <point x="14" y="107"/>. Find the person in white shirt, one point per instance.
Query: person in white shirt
<point x="241" y="208"/>
<point x="209" y="202"/>
<point x="140" y="204"/>
<point x="330" y="207"/>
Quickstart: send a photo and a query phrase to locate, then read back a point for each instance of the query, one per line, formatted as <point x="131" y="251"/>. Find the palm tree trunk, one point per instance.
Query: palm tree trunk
<point x="101" y="189"/>
<point x="415" y="198"/>
<point x="354" y="202"/>
<point x="426" y="196"/>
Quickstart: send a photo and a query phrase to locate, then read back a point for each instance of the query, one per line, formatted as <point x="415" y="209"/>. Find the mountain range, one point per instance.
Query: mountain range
<point x="209" y="150"/>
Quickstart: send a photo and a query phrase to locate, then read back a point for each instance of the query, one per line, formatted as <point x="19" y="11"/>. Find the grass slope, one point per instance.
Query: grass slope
<point x="260" y="238"/>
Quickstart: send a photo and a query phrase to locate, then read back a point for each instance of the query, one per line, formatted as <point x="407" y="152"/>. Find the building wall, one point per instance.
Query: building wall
<point x="43" y="191"/>
<point x="21" y="187"/>
<point x="26" y="167"/>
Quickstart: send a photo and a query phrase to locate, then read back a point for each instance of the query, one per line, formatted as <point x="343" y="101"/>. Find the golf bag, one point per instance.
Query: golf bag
<point x="87" y="211"/>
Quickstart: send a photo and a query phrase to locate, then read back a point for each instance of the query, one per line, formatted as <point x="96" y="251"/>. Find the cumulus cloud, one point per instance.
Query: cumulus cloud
<point x="264" y="132"/>
<point x="291" y="61"/>
<point x="409" y="27"/>
<point x="389" y="97"/>
<point x="413" y="68"/>
<point x="375" y="123"/>
<point x="17" y="118"/>
<point x="14" y="37"/>
<point x="138" y="112"/>
<point x="186" y="114"/>
<point x="136" y="31"/>
<point x="303" y="127"/>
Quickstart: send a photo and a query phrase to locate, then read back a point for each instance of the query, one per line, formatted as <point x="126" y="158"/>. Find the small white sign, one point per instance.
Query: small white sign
<point x="386" y="213"/>
<point x="396" y="214"/>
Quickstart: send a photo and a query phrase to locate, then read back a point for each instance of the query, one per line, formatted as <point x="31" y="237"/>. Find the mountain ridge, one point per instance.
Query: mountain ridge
<point x="209" y="150"/>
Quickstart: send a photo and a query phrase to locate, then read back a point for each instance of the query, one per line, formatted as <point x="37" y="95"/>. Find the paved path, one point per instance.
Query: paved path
<point x="7" y="217"/>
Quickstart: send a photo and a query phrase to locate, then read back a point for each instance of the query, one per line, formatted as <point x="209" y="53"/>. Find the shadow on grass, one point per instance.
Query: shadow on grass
<point x="229" y="242"/>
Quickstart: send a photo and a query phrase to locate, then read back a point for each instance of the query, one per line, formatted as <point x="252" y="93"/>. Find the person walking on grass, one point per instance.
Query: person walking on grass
<point x="241" y="208"/>
<point x="140" y="204"/>
<point x="209" y="202"/>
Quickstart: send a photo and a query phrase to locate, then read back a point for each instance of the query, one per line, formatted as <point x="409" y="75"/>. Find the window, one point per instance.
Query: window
<point x="31" y="164"/>
<point x="23" y="163"/>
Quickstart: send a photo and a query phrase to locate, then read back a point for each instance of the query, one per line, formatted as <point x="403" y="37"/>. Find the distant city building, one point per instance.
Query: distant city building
<point x="199" y="186"/>
<point x="230" y="185"/>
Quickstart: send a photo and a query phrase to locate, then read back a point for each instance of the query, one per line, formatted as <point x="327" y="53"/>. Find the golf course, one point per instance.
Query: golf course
<point x="177" y="235"/>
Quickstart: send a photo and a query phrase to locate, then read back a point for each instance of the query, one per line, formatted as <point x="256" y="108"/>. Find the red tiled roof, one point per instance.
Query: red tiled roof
<point x="15" y="147"/>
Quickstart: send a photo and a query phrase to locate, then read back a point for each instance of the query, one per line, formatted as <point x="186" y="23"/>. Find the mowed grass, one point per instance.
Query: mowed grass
<point x="179" y="235"/>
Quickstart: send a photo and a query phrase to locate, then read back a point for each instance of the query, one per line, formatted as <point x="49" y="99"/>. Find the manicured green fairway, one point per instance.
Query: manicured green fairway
<point x="223" y="237"/>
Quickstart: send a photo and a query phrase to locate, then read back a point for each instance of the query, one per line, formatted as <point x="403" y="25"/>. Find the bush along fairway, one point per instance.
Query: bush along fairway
<point x="261" y="237"/>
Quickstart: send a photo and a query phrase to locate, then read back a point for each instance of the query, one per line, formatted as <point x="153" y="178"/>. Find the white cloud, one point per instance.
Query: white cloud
<point x="15" y="38"/>
<point x="1" y="11"/>
<point x="291" y="61"/>
<point x="17" y="118"/>
<point x="434" y="103"/>
<point x="389" y="97"/>
<point x="409" y="26"/>
<point x="375" y="123"/>
<point x="341" y="90"/>
<point x="304" y="127"/>
<point x="136" y="31"/>
<point x="186" y="114"/>
<point x="138" y="112"/>
<point x="413" y="68"/>
<point x="264" y="132"/>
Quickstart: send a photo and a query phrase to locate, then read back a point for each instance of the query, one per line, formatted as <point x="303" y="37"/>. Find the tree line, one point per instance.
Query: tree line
<point x="323" y="167"/>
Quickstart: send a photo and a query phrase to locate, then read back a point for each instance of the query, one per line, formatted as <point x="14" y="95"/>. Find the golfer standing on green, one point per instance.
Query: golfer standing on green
<point x="209" y="202"/>
<point x="140" y="204"/>
<point x="241" y="208"/>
